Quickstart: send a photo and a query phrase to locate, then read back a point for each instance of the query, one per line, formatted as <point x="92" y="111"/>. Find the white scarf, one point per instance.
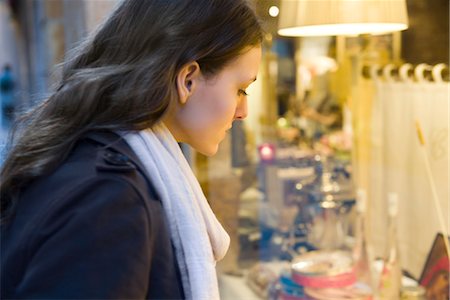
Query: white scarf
<point x="198" y="237"/>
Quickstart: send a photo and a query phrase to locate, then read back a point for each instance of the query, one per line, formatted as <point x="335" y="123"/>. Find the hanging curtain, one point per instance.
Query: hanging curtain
<point x="388" y="158"/>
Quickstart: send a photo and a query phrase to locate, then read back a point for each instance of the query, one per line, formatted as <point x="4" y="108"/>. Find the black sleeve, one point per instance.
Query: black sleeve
<point x="96" y="245"/>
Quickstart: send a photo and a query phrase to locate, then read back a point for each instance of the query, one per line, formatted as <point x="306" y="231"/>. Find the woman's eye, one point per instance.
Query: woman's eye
<point x="242" y="92"/>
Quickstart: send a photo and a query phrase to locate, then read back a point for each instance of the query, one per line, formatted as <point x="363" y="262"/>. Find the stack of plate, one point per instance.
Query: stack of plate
<point x="328" y="275"/>
<point x="324" y="269"/>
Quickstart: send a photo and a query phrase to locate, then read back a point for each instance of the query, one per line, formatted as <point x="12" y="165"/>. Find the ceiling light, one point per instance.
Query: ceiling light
<point x="341" y="17"/>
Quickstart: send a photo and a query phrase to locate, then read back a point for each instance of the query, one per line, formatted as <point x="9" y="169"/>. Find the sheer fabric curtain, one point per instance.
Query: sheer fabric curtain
<point x="389" y="159"/>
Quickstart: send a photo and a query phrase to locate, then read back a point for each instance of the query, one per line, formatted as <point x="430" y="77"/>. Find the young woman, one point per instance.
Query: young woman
<point x="97" y="199"/>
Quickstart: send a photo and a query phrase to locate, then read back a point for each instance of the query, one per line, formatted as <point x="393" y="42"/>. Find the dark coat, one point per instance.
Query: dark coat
<point x="93" y="229"/>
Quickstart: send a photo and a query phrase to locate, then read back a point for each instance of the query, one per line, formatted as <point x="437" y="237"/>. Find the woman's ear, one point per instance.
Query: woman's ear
<point x="187" y="79"/>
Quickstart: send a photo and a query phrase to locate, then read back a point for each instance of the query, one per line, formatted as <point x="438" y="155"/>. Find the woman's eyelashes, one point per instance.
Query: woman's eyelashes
<point x="242" y="92"/>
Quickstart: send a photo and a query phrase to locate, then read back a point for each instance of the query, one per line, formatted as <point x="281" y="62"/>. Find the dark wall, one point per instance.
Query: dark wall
<point x="427" y="38"/>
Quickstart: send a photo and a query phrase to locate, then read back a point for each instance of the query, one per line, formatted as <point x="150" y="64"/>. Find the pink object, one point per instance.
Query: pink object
<point x="345" y="293"/>
<point x="267" y="152"/>
<point x="335" y="281"/>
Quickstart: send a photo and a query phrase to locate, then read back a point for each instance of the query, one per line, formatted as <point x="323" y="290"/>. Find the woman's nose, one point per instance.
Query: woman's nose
<point x="241" y="110"/>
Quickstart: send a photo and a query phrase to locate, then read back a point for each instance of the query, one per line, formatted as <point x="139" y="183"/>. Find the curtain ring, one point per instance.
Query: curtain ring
<point x="374" y="71"/>
<point x="404" y="72"/>
<point x="366" y="72"/>
<point x="387" y="72"/>
<point x="436" y="72"/>
<point x="419" y="72"/>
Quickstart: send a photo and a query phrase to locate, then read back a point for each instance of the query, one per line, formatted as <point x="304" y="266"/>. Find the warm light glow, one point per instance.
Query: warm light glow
<point x="342" y="29"/>
<point x="341" y="17"/>
<point x="274" y="11"/>
<point x="282" y="122"/>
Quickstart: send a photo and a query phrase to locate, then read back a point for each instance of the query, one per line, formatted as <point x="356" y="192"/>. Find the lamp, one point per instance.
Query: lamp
<point x="341" y="17"/>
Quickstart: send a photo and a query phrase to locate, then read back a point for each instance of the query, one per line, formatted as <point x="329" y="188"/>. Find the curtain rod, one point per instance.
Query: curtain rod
<point x="407" y="72"/>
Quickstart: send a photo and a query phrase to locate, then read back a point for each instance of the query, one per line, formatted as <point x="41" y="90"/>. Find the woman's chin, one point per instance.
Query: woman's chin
<point x="209" y="150"/>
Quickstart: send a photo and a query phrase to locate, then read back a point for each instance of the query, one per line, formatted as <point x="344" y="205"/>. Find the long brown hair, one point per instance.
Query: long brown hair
<point x="123" y="78"/>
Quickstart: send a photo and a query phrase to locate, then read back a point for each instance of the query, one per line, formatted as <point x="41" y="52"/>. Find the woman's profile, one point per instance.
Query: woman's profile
<point x="97" y="199"/>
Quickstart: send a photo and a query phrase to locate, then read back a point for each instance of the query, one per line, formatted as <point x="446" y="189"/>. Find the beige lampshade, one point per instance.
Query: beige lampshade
<point x="341" y="17"/>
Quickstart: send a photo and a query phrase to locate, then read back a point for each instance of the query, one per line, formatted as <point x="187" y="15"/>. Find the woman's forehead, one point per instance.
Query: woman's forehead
<point x="247" y="64"/>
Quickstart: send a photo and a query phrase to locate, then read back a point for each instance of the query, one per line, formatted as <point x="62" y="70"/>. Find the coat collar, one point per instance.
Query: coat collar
<point x="111" y="141"/>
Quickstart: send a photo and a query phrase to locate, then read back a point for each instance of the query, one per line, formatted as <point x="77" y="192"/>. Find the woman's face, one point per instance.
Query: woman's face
<point x="214" y="102"/>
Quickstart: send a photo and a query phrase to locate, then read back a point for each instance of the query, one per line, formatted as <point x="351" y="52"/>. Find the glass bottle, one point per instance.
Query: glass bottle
<point x="361" y="250"/>
<point x="390" y="278"/>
